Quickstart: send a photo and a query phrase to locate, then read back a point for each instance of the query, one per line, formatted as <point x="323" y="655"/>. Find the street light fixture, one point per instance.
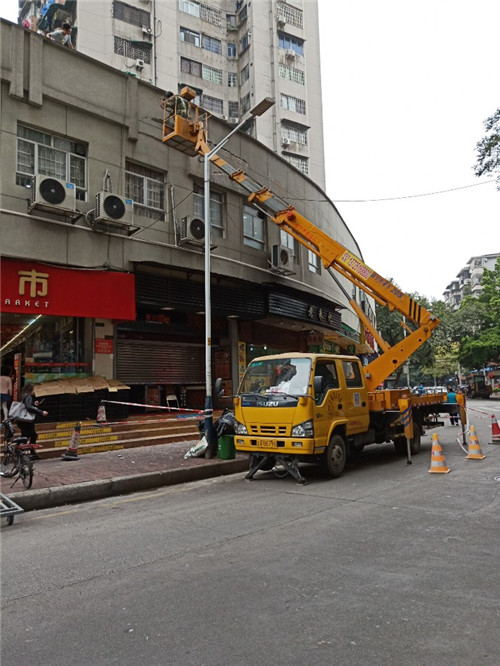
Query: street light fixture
<point x="258" y="110"/>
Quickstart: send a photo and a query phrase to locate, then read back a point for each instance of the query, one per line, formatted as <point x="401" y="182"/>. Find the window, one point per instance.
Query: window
<point x="299" y="162"/>
<point x="293" y="104"/>
<point x="146" y="188"/>
<point x="245" y="41"/>
<point x="211" y="44"/>
<point x="189" y="7"/>
<point x="286" y="240"/>
<point x="352" y="374"/>
<point x="130" y="49"/>
<point x="232" y="79"/>
<point x="231" y="22"/>
<point x="216" y="207"/>
<point x="212" y="104"/>
<point x="189" y="36"/>
<point x="211" y="15"/>
<point x="295" y="133"/>
<point x="242" y="14"/>
<point x="190" y="67"/>
<point x="245" y="74"/>
<point x="231" y="50"/>
<point x="328" y="372"/>
<point x="245" y="103"/>
<point x="48" y="155"/>
<point x="292" y="74"/>
<point x="253" y="228"/>
<point x="211" y="74"/>
<point x="232" y="108"/>
<point x="290" y="43"/>
<point x="290" y="15"/>
<point x="313" y="262"/>
<point x="129" y="14"/>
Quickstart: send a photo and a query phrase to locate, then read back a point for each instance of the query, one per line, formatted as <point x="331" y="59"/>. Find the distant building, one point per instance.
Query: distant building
<point x="468" y="280"/>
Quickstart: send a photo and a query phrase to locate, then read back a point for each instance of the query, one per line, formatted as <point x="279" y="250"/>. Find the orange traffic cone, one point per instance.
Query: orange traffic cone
<point x="101" y="414"/>
<point x="438" y="464"/>
<point x="475" y="452"/>
<point x="71" y="452"/>
<point x="495" y="430"/>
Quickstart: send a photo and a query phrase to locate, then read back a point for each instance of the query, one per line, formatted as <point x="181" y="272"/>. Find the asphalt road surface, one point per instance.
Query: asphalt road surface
<point x="388" y="565"/>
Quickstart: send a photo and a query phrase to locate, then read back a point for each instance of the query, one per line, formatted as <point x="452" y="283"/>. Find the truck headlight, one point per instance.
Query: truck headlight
<point x="305" y="429"/>
<point x="240" y="428"/>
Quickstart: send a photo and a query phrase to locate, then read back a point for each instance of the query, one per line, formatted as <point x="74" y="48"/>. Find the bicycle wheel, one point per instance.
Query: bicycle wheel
<point x="9" y="465"/>
<point x="26" y="471"/>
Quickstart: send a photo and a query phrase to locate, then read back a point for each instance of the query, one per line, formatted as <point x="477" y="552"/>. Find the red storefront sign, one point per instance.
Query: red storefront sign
<point x="32" y="288"/>
<point x="103" y="346"/>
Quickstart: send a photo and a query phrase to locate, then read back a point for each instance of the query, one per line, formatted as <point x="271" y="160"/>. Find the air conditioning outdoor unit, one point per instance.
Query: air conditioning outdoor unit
<point x="290" y="53"/>
<point x="139" y="64"/>
<point x="282" y="258"/>
<point x="285" y="141"/>
<point x="112" y="211"/>
<point x="192" y="231"/>
<point x="52" y="194"/>
<point x="146" y="30"/>
<point x="233" y="121"/>
<point x="281" y="23"/>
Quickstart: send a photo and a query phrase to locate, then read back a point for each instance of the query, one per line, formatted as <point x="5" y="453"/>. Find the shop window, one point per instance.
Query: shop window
<point x="146" y="188"/>
<point x="42" y="153"/>
<point x="216" y="209"/>
<point x="253" y="228"/>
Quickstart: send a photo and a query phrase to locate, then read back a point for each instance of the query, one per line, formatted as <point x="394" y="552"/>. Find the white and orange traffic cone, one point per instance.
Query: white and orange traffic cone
<point x="495" y="430"/>
<point x="438" y="464"/>
<point x="101" y="414"/>
<point x="71" y="452"/>
<point x="475" y="452"/>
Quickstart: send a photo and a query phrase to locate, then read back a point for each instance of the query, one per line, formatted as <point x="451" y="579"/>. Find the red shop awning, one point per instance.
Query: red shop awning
<point x="30" y="287"/>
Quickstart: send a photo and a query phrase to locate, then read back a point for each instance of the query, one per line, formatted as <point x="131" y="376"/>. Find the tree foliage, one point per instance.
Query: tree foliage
<point x="488" y="149"/>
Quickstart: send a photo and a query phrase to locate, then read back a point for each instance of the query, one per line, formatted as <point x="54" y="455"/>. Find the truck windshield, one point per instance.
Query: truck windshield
<point x="290" y="376"/>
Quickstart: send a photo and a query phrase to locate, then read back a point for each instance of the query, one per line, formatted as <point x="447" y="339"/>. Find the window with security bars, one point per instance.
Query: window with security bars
<point x="232" y="79"/>
<point x="245" y="103"/>
<point x="294" y="133"/>
<point x="291" y="74"/>
<point x="189" y="7"/>
<point x="211" y="44"/>
<point x="146" y="188"/>
<point x="129" y="14"/>
<point x="216" y="209"/>
<point x="245" y="74"/>
<point x="233" y="109"/>
<point x="290" y="15"/>
<point x="190" y="67"/>
<point x="293" y="104"/>
<point x="42" y="153"/>
<point x="211" y="15"/>
<point x="126" y="48"/>
<point x="189" y="36"/>
<point x="290" y="43"/>
<point x="211" y="74"/>
<point x="299" y="162"/>
<point x="213" y="104"/>
<point x="253" y="228"/>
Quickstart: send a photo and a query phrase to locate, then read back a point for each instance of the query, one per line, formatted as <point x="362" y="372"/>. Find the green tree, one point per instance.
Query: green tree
<point x="488" y="149"/>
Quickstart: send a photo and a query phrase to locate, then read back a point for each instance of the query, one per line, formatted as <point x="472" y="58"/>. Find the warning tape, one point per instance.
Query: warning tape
<point x="207" y="412"/>
<point x="141" y="421"/>
<point x="479" y="411"/>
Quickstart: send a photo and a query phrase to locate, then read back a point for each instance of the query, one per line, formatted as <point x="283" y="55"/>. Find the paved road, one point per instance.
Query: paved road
<point x="388" y="565"/>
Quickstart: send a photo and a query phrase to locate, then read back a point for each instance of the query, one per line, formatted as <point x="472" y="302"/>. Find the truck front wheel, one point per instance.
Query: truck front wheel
<point x="335" y="456"/>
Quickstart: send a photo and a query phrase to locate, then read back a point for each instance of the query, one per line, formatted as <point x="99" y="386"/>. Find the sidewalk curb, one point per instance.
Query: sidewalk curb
<point x="47" y="498"/>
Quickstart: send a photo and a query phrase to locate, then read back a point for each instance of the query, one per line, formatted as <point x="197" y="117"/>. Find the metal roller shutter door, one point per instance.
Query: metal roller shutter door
<point x="155" y="362"/>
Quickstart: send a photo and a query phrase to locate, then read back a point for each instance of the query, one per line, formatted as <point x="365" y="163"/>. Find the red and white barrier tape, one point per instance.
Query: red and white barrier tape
<point x="169" y="409"/>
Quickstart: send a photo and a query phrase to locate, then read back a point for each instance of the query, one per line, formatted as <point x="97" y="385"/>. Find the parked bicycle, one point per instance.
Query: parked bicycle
<point x="16" y="459"/>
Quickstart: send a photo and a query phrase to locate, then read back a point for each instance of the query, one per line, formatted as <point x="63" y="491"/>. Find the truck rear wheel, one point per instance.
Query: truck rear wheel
<point x="335" y="456"/>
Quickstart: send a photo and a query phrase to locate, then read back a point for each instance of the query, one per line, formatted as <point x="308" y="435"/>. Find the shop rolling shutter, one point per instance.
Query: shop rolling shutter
<point x="152" y="362"/>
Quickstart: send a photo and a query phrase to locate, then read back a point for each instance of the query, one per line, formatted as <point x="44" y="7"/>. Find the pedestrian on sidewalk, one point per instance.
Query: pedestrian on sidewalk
<point x="451" y="398"/>
<point x="5" y="391"/>
<point x="27" y="397"/>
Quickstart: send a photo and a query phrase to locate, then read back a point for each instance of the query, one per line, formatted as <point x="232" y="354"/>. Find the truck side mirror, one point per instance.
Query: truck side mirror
<point x="219" y="388"/>
<point x="318" y="385"/>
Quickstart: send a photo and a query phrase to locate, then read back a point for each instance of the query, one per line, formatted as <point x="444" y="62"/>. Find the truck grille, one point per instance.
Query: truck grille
<point x="268" y="430"/>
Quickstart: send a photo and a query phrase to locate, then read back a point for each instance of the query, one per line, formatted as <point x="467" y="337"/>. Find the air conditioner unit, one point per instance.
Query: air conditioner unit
<point x="290" y="53"/>
<point x="112" y="211"/>
<point x="281" y="23"/>
<point x="52" y="194"/>
<point x="233" y="121"/>
<point x="282" y="258"/>
<point x="146" y="30"/>
<point x="285" y="141"/>
<point x="139" y="64"/>
<point x="192" y="231"/>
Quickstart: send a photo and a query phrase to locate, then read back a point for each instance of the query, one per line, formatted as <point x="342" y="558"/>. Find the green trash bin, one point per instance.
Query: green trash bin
<point x="225" y="445"/>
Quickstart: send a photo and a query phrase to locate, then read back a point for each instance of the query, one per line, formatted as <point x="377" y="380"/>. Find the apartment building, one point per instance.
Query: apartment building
<point x="233" y="54"/>
<point x="468" y="280"/>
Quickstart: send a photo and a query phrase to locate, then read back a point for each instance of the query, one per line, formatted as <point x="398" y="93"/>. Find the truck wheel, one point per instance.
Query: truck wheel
<point x="335" y="456"/>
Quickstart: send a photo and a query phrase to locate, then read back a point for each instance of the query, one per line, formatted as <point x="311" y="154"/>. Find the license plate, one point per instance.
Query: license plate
<point x="267" y="443"/>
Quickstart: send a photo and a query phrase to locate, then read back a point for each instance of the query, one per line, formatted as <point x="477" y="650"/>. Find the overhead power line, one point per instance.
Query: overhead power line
<point x="414" y="196"/>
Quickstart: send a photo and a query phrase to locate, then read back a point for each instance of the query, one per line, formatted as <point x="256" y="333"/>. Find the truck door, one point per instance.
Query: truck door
<point x="328" y="403"/>
<point x="356" y="397"/>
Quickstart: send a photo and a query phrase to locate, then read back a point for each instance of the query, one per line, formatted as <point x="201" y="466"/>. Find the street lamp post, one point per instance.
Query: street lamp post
<point x="261" y="108"/>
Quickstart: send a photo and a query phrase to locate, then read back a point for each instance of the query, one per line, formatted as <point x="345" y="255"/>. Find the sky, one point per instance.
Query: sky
<point x="406" y="89"/>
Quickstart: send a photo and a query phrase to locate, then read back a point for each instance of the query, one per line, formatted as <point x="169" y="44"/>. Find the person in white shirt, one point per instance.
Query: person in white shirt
<point x="5" y="391"/>
<point x="62" y="35"/>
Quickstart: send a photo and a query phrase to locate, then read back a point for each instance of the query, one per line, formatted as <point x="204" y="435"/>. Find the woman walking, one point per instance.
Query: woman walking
<point x="27" y="397"/>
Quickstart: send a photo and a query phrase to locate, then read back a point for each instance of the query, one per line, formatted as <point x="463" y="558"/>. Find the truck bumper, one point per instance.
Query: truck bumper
<point x="283" y="445"/>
